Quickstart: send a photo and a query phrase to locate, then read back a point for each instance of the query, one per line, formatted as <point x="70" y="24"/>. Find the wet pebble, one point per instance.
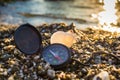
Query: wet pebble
<point x="9" y="48"/>
<point x="5" y="57"/>
<point x="51" y="73"/>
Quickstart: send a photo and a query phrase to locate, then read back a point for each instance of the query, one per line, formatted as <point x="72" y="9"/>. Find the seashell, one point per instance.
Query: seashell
<point x="102" y="76"/>
<point x="65" y="38"/>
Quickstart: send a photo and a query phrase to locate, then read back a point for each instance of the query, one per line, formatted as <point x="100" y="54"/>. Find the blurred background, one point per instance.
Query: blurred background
<point x="84" y="13"/>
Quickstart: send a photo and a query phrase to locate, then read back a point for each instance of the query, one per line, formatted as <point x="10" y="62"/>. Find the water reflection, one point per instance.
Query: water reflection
<point x="108" y="18"/>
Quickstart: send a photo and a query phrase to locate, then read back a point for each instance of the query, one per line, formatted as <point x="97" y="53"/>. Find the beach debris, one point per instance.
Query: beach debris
<point x="102" y="76"/>
<point x="62" y="37"/>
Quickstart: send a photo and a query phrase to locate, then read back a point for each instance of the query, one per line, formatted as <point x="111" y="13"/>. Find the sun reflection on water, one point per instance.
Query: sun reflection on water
<point x="107" y="18"/>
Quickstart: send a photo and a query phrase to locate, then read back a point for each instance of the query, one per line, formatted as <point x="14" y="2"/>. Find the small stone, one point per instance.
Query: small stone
<point x="68" y="76"/>
<point x="6" y="35"/>
<point x="51" y="73"/>
<point x="47" y="34"/>
<point x="1" y="69"/>
<point x="39" y="67"/>
<point x="11" y="77"/>
<point x="2" y="44"/>
<point x="9" y="47"/>
<point x="42" y="72"/>
<point x="12" y="62"/>
<point x="73" y="76"/>
<point x="34" y="64"/>
<point x="5" y="57"/>
<point x="21" y="73"/>
<point x="7" y="40"/>
<point x="5" y="72"/>
<point x="98" y="59"/>
<point x="35" y="75"/>
<point x="47" y="66"/>
<point x="36" y="57"/>
<point x="62" y="75"/>
<point x="84" y="71"/>
<point x="9" y="70"/>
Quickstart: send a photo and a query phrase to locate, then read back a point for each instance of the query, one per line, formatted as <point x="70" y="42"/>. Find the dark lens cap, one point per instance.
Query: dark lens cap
<point x="28" y="39"/>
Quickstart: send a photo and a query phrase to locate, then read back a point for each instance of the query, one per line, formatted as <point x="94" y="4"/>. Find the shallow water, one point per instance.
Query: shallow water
<point x="83" y="13"/>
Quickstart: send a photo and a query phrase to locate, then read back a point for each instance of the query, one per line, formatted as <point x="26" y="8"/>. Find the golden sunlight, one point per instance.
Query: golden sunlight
<point x="108" y="16"/>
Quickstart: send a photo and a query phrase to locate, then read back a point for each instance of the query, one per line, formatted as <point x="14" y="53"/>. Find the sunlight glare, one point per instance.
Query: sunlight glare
<point x="108" y="16"/>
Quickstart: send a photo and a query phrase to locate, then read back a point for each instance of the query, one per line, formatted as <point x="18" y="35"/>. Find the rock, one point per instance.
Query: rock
<point x="102" y="76"/>
<point x="51" y="73"/>
<point x="9" y="47"/>
<point x="61" y="37"/>
<point x="62" y="76"/>
<point x="7" y="40"/>
<point x="35" y="76"/>
<point x="11" y="77"/>
<point x="84" y="71"/>
<point x="5" y="57"/>
<point x="47" y="35"/>
<point x="37" y="57"/>
<point x="47" y="66"/>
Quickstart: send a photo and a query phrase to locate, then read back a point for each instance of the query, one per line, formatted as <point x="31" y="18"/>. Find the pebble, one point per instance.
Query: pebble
<point x="11" y="77"/>
<point x="9" y="47"/>
<point x="51" y="73"/>
<point x="21" y="73"/>
<point x="36" y="57"/>
<point x="47" y="66"/>
<point x="84" y="71"/>
<point x="62" y="75"/>
<point x="5" y="57"/>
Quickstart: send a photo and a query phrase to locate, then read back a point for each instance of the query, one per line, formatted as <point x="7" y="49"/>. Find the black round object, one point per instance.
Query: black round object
<point x="27" y="39"/>
<point x="57" y="55"/>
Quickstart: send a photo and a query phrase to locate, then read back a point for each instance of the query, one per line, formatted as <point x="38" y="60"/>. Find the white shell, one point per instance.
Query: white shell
<point x="103" y="75"/>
